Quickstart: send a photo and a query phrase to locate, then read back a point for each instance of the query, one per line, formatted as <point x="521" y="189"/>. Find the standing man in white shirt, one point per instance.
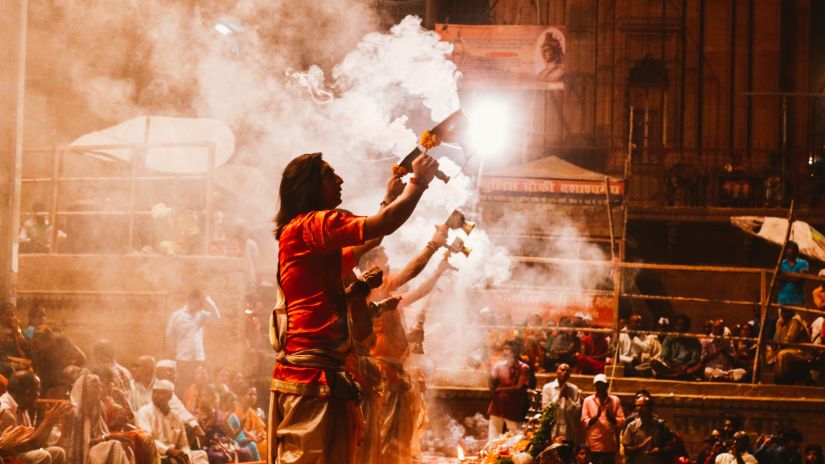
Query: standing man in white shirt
<point x="568" y="398"/>
<point x="184" y="336"/>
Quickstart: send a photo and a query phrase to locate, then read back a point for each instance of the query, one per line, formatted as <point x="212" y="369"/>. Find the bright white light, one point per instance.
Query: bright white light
<point x="223" y="29"/>
<point x="489" y="126"/>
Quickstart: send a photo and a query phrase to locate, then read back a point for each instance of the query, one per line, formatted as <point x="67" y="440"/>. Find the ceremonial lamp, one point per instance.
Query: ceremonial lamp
<point x="449" y="130"/>
<point x="458" y="247"/>
<point x="458" y="221"/>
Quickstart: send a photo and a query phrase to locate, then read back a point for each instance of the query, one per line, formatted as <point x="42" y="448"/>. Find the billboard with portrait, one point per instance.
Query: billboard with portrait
<point x="512" y="57"/>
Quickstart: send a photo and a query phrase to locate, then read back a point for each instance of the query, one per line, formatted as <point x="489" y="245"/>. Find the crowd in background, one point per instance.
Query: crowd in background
<point x="60" y="404"/>
<point x="595" y="429"/>
<point x="718" y="351"/>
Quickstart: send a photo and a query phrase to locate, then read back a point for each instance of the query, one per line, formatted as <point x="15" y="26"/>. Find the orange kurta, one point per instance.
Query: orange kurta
<point x="311" y="259"/>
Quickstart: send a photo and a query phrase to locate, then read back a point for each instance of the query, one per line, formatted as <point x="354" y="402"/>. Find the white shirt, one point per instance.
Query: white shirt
<point x="141" y="395"/>
<point x="176" y="405"/>
<point x="570" y="409"/>
<point x="816" y="330"/>
<point x="184" y="332"/>
<point x="645" y="348"/>
<point x="167" y="430"/>
<point x="10" y="414"/>
<point x="727" y="458"/>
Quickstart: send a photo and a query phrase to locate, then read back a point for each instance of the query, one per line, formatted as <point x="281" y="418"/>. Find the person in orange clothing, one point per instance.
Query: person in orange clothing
<point x="313" y="403"/>
<point x="399" y="409"/>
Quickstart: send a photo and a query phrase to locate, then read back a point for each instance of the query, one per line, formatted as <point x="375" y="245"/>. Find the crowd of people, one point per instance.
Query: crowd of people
<point x="341" y="389"/>
<point x="60" y="405"/>
<point x="672" y="350"/>
<point x="594" y="429"/>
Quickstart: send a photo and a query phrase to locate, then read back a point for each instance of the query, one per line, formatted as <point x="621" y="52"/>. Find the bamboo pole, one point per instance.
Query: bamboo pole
<point x="609" y="217"/>
<point x="33" y="180"/>
<point x="133" y="196"/>
<point x="800" y="275"/>
<point x="210" y="180"/>
<point x="765" y="304"/>
<point x="689" y="299"/>
<point x="634" y="265"/>
<point x="57" y="157"/>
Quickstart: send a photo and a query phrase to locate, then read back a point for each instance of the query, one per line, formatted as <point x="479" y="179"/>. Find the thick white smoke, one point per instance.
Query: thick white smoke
<point x="294" y="77"/>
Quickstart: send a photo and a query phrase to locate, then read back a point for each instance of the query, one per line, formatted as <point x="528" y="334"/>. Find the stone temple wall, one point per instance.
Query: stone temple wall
<point x="128" y="298"/>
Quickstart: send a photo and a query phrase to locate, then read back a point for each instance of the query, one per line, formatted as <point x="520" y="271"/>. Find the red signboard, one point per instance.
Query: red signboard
<point x="528" y="190"/>
<point x="511" y="57"/>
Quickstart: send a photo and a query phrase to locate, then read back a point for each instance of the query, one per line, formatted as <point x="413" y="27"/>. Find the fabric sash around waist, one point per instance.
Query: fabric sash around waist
<point x="320" y="359"/>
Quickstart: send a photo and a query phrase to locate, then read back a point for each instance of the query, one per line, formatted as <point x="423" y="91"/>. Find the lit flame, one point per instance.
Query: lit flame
<point x="460" y="453"/>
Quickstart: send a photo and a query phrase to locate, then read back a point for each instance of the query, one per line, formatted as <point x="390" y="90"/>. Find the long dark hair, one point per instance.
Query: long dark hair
<point x="300" y="190"/>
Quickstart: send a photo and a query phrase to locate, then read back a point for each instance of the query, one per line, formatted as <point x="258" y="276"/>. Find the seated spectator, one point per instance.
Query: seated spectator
<point x="87" y="437"/>
<point x="36" y="232"/>
<point x="219" y="444"/>
<point x="103" y="356"/>
<point x="15" y="404"/>
<point x="165" y="369"/>
<point x="594" y="353"/>
<point x="813" y="454"/>
<point x="12" y="342"/>
<point x="37" y="320"/>
<point x="646" y="439"/>
<point x="790" y="363"/>
<point x="680" y="355"/>
<point x="221" y="383"/>
<point x="770" y="324"/>
<point x="786" y="451"/>
<point x="6" y="371"/>
<point x="200" y="382"/>
<point x="718" y="356"/>
<point x="115" y="405"/>
<point x="51" y="353"/>
<point x="167" y="428"/>
<point x="141" y="388"/>
<point x="744" y="350"/>
<point x="239" y="383"/>
<point x="534" y="341"/>
<point x="738" y="453"/>
<point x="253" y="421"/>
<point x="228" y="404"/>
<point x="636" y="352"/>
<point x="562" y="348"/>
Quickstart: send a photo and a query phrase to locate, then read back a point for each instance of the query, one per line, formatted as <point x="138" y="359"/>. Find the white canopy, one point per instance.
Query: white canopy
<point x="177" y="145"/>
<point x="811" y="242"/>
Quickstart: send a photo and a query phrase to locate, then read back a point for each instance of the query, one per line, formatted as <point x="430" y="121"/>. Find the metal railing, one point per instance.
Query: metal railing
<point x="137" y="173"/>
<point x="764" y="301"/>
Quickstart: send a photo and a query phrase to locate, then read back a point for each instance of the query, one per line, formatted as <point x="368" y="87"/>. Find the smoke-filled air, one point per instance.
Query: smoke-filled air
<point x="292" y="77"/>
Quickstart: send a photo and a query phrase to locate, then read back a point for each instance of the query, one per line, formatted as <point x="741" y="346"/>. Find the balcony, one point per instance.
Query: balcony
<point x="686" y="186"/>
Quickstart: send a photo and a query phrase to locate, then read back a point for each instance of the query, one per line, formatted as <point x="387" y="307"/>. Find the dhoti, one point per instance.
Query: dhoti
<point x="400" y="416"/>
<point x="310" y="429"/>
<point x="370" y="446"/>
